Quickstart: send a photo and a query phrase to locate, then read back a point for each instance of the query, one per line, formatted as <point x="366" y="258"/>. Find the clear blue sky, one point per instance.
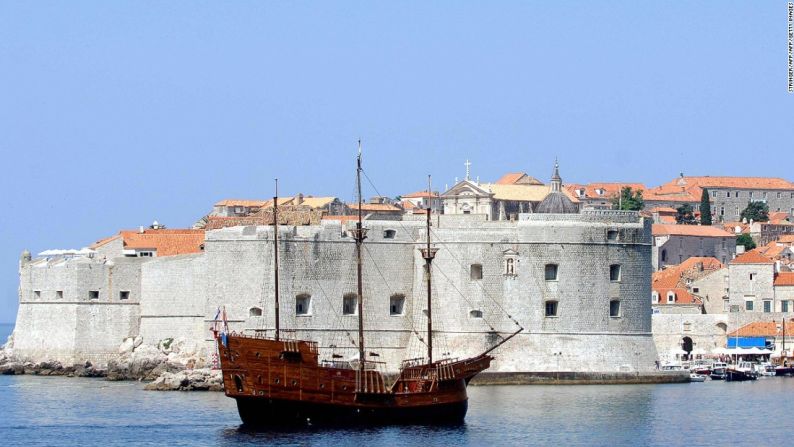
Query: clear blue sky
<point x="113" y="114"/>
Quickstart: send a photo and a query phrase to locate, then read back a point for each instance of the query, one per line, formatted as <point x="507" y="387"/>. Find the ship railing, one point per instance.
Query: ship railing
<point x="290" y="343"/>
<point x="370" y="381"/>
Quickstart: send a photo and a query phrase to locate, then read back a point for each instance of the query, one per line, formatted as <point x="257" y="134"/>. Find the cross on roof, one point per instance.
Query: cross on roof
<point x="468" y="168"/>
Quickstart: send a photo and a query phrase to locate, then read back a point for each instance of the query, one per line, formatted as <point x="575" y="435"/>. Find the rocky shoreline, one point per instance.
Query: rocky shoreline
<point x="172" y="365"/>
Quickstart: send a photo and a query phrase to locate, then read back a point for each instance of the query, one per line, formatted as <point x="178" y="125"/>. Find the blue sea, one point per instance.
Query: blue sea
<point x="47" y="411"/>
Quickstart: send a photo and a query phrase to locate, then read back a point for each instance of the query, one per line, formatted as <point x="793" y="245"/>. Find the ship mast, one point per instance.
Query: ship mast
<point x="275" y="255"/>
<point x="429" y="253"/>
<point x="359" y="234"/>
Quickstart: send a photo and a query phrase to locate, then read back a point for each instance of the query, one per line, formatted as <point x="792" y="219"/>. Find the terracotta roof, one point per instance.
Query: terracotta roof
<point x="763" y="329"/>
<point x="522" y="193"/>
<point x="375" y="208"/>
<point x="751" y="257"/>
<point x="663" y="209"/>
<point x="785" y="279"/>
<point x="419" y="195"/>
<point x="606" y="190"/>
<point x="689" y="230"/>
<point x="240" y="202"/>
<point x="517" y="178"/>
<point x="670" y="220"/>
<point x="738" y="182"/>
<point x="167" y="242"/>
<point x="786" y="239"/>
<point x="730" y="227"/>
<point x="674" y="278"/>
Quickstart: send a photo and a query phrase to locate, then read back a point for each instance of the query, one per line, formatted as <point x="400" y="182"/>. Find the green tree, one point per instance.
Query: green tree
<point x="628" y="200"/>
<point x="756" y="211"/>
<point x="746" y="240"/>
<point x="705" y="208"/>
<point x="684" y="215"/>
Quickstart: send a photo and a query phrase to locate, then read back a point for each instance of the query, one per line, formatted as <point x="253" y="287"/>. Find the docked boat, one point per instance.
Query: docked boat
<point x="276" y="380"/>
<point x="741" y="372"/>
<point x="718" y="371"/>
<point x="695" y="377"/>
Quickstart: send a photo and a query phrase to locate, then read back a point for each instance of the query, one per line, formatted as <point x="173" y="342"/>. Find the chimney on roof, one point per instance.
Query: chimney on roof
<point x="299" y="198"/>
<point x="140" y="229"/>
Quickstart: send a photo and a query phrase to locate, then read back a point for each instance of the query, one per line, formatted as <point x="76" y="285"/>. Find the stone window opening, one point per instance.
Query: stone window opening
<point x="714" y="194"/>
<point x="475" y="272"/>
<point x="614" y="308"/>
<point x="389" y="234"/>
<point x="303" y="304"/>
<point x="124" y="294"/>
<point x="748" y="305"/>
<point x="612" y="235"/>
<point x="550" y="272"/>
<point x="59" y="294"/>
<point x="254" y="312"/>
<point x="475" y="313"/>
<point x="671" y="297"/>
<point x="784" y="306"/>
<point x="396" y="305"/>
<point x="37" y="294"/>
<point x="767" y="306"/>
<point x="350" y="304"/>
<point x="93" y="294"/>
<point x="510" y="266"/>
<point x="695" y="289"/>
<point x="664" y="255"/>
<point x="614" y="272"/>
<point x="551" y="308"/>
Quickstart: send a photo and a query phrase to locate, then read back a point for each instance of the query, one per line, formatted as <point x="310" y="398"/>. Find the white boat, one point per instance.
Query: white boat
<point x="764" y="369"/>
<point x="695" y="377"/>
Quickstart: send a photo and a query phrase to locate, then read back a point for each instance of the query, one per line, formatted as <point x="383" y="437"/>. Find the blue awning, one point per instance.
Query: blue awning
<point x="747" y="342"/>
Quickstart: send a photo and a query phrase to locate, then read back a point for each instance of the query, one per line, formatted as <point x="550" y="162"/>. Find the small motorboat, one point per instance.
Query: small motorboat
<point x="742" y="372"/>
<point x="695" y="377"/>
<point x="718" y="371"/>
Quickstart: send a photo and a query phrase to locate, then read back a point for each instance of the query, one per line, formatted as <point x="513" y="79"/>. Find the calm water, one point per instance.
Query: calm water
<point x="62" y="411"/>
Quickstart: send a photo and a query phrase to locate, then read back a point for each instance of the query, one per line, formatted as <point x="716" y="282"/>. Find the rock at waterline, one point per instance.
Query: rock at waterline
<point x="189" y="380"/>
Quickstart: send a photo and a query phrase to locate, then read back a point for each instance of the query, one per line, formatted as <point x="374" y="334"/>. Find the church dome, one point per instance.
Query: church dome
<point x="557" y="203"/>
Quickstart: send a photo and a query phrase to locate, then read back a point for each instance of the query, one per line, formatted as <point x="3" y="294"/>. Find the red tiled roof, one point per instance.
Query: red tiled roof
<point x="786" y="239"/>
<point x="240" y="202"/>
<point x="608" y="190"/>
<point x="751" y="257"/>
<point x="674" y="279"/>
<point x="663" y="209"/>
<point x="730" y="227"/>
<point x="689" y="230"/>
<point x="784" y="279"/>
<point x="763" y="329"/>
<point x="167" y="242"/>
<point x="375" y="208"/>
<point x="419" y="195"/>
<point x="738" y="182"/>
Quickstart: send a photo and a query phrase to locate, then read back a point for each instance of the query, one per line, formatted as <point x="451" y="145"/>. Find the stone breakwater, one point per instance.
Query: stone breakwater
<point x="173" y="364"/>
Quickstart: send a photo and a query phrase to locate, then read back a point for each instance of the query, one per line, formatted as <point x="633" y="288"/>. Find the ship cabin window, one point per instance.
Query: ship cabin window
<point x="254" y="312"/>
<point x="303" y="304"/>
<point x="238" y="383"/>
<point x="551" y="308"/>
<point x="349" y="304"/>
<point x="476" y="272"/>
<point x="59" y="294"/>
<point x="396" y="305"/>
<point x="614" y="272"/>
<point x="124" y="295"/>
<point x="389" y="234"/>
<point x="93" y="294"/>
<point x="551" y="272"/>
<point x="614" y="308"/>
<point x="37" y="294"/>
<point x="475" y="313"/>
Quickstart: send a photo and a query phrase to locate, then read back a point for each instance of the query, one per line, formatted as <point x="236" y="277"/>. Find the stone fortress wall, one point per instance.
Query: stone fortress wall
<point x="178" y="296"/>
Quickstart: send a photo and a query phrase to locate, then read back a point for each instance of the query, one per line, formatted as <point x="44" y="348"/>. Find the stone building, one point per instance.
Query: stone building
<point x="578" y="284"/>
<point x="672" y="290"/>
<point x="729" y="195"/>
<point x="673" y="244"/>
<point x="600" y="196"/>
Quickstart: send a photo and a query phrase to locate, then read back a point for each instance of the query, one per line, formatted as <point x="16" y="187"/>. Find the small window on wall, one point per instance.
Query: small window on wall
<point x="476" y="271"/>
<point x="124" y="295"/>
<point x="550" y="272"/>
<point x="303" y="304"/>
<point x="551" y="308"/>
<point x="59" y="294"/>
<point x="784" y="306"/>
<point x="655" y="298"/>
<point x="614" y="272"/>
<point x="37" y="294"/>
<point x="767" y="306"/>
<point x="349" y="304"/>
<point x="671" y="297"/>
<point x="254" y="312"/>
<point x="510" y="266"/>
<point x="748" y="305"/>
<point x="612" y="235"/>
<point x="475" y="313"/>
<point x="389" y="234"/>
<point x="614" y="308"/>
<point x="93" y="294"/>
<point x="396" y="305"/>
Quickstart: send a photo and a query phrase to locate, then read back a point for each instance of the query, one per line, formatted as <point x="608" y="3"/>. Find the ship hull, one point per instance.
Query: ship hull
<point x="258" y="412"/>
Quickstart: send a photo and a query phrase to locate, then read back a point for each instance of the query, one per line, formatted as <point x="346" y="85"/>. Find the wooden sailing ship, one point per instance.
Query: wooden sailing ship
<point x="276" y="380"/>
